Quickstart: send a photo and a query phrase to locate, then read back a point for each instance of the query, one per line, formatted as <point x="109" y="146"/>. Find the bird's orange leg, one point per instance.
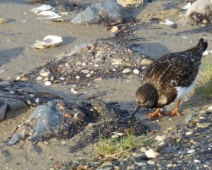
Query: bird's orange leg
<point x="175" y="112"/>
<point x="156" y="113"/>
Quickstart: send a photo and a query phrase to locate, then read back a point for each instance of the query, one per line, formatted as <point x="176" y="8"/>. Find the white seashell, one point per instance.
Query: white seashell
<point x="49" y="14"/>
<point x="42" y="8"/>
<point x="168" y="22"/>
<point x="48" y="41"/>
<point x="187" y="6"/>
<point x="151" y="153"/>
<point x="47" y="83"/>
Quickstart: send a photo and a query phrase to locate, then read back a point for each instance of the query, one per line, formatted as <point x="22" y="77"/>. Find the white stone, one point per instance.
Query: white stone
<point x="191" y="151"/>
<point x="126" y="70"/>
<point x="151" y="153"/>
<point x="189" y="133"/>
<point x="196" y="161"/>
<point x="45" y="72"/>
<point x="160" y="138"/>
<point x="136" y="71"/>
<point x="39" y="78"/>
<point x="210" y="108"/>
<point x="47" y="83"/>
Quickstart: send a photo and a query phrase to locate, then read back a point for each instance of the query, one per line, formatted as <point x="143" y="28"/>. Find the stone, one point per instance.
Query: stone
<point x="130" y="3"/>
<point x="151" y="153"/>
<point x="203" y="125"/>
<point x="145" y="61"/>
<point x="106" y="10"/>
<point x="136" y="71"/>
<point x="3" y="21"/>
<point x="47" y="83"/>
<point x="45" y="72"/>
<point x="126" y="70"/>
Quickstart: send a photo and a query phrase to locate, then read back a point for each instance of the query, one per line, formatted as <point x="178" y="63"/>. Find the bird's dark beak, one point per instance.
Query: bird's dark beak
<point x="137" y="108"/>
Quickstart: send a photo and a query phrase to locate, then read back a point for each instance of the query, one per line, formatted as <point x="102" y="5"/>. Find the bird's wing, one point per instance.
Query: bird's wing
<point x="175" y="69"/>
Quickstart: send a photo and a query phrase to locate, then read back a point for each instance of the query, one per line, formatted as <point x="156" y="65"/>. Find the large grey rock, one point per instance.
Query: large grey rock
<point x="45" y="120"/>
<point x="107" y="10"/>
<point x="10" y="104"/>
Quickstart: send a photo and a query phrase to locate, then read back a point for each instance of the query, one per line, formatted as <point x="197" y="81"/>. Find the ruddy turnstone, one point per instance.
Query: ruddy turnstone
<point x="169" y="79"/>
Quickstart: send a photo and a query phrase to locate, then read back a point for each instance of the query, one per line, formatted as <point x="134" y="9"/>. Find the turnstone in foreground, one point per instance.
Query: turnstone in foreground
<point x="169" y="79"/>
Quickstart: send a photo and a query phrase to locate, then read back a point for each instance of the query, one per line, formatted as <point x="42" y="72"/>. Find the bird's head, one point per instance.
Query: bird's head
<point x="146" y="97"/>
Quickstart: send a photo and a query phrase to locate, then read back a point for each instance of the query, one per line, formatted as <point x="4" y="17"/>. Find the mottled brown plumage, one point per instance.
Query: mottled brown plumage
<point x="170" y="78"/>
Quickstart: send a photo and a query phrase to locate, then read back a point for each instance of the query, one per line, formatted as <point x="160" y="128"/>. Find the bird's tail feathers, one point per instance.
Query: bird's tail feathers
<point x="203" y="44"/>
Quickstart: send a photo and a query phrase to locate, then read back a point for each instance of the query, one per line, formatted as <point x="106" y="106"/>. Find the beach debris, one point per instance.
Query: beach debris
<point x="169" y="23"/>
<point x="49" y="15"/>
<point x="63" y="119"/>
<point x="48" y="41"/>
<point x="42" y="8"/>
<point x="47" y="11"/>
<point x="101" y="59"/>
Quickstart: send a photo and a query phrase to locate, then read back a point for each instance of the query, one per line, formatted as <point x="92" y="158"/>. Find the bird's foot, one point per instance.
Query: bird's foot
<point x="157" y="113"/>
<point x="174" y="112"/>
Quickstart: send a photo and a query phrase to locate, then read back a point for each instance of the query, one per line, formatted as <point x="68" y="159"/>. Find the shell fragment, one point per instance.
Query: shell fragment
<point x="48" y="41"/>
<point x="42" y="8"/>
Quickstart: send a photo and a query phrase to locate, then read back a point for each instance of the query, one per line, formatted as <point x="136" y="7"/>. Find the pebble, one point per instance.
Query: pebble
<point x="196" y="161"/>
<point x="169" y="165"/>
<point x="18" y="78"/>
<point x="85" y="71"/>
<point x="24" y="79"/>
<point x="117" y="61"/>
<point x="114" y="29"/>
<point x="3" y="21"/>
<point x="160" y="138"/>
<point x="203" y="125"/>
<point x="151" y="162"/>
<point x="45" y="72"/>
<point x="210" y="108"/>
<point x="136" y="71"/>
<point x="151" y="153"/>
<point x="39" y="78"/>
<point x="126" y="70"/>
<point x="79" y="116"/>
<point x="145" y="61"/>
<point x="47" y="83"/>
<point x="189" y="133"/>
<point x="191" y="151"/>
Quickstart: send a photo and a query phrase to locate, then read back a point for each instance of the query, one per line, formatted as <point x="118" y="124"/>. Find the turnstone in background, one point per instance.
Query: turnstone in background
<point x="169" y="79"/>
